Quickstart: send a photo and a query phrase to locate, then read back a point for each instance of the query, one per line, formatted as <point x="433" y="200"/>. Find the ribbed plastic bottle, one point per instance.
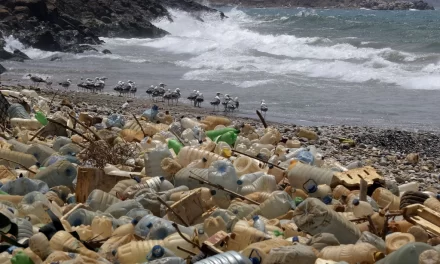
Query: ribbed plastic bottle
<point x="265" y="183"/>
<point x="299" y="173"/>
<point x="368" y="237"/>
<point x="182" y="177"/>
<point x="123" y="207"/>
<point x="23" y="186"/>
<point x="432" y="203"/>
<point x="229" y="257"/>
<point x="40" y="152"/>
<point x="362" y="209"/>
<point x="9" y="157"/>
<point x="127" y="229"/>
<point x="152" y="161"/>
<point x="277" y="204"/>
<point x="60" y="173"/>
<point x="64" y="241"/>
<point x="168" y="260"/>
<point x="99" y="200"/>
<point x="60" y="142"/>
<point x="189" y="154"/>
<point x="187" y="122"/>
<point x="158" y="252"/>
<point x="18" y="146"/>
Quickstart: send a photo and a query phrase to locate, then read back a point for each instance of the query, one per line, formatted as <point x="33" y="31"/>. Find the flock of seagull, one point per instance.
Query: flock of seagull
<point x="155" y="92"/>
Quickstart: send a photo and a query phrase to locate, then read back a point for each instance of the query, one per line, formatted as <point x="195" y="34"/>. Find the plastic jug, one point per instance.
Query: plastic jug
<point x="244" y="235"/>
<point x="8" y="157"/>
<point x="223" y="173"/>
<point x="272" y="136"/>
<point x="60" y="173"/>
<point x="212" y="225"/>
<point x="277" y="204"/>
<point x="432" y="203"/>
<point x="153" y="159"/>
<point x="362" y="209"/>
<point x="23" y="186"/>
<point x="245" y="165"/>
<point x="358" y="253"/>
<point x="314" y="217"/>
<point x="102" y="226"/>
<point x="296" y="253"/>
<point x="64" y="241"/>
<point x="99" y="200"/>
<point x="175" y="145"/>
<point x="299" y="173"/>
<point x="40" y="152"/>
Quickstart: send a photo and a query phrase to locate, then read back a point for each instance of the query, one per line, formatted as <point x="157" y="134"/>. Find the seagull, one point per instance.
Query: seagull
<point x="199" y="99"/>
<point x="133" y="88"/>
<point x="66" y="83"/>
<point x="192" y="96"/>
<point x="167" y="96"/>
<point x="175" y="95"/>
<point x="36" y="79"/>
<point x="237" y="103"/>
<point x="161" y="85"/>
<point x="216" y="102"/>
<point x="227" y="103"/>
<point x="263" y="107"/>
<point x="150" y="90"/>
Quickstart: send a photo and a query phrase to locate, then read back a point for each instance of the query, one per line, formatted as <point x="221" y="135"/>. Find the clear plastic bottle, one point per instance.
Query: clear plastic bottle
<point x="153" y="159"/>
<point x="372" y="239"/>
<point x="362" y="209"/>
<point x="59" y="173"/>
<point x="259" y="224"/>
<point x="158" y="252"/>
<point x="223" y="173"/>
<point x="99" y="200"/>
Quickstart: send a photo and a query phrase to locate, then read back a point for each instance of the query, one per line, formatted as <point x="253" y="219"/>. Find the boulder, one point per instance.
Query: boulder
<point x="20" y="54"/>
<point x="2" y="69"/>
<point x="106" y="51"/>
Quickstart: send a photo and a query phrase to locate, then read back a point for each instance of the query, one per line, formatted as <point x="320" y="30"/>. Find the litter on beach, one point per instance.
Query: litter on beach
<point x="148" y="186"/>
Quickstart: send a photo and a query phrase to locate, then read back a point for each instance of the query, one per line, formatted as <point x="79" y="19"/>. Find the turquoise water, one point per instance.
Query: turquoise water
<point x="359" y="67"/>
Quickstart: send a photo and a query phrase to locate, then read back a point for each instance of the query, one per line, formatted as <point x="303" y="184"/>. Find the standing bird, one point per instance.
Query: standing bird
<point x="167" y="96"/>
<point x="237" y="103"/>
<point x="150" y="90"/>
<point x="192" y="96"/>
<point x="66" y="84"/>
<point x="216" y="102"/>
<point x="175" y="96"/>
<point x="199" y="100"/>
<point x="36" y="80"/>
<point x="133" y="88"/>
<point x="263" y="107"/>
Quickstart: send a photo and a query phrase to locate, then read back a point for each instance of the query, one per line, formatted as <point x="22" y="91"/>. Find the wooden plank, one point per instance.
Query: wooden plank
<point x="352" y="178"/>
<point x="423" y="216"/>
<point x="189" y="208"/>
<point x="90" y="179"/>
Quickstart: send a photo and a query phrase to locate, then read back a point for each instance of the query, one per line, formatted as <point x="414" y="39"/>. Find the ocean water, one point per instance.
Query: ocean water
<point x="312" y="66"/>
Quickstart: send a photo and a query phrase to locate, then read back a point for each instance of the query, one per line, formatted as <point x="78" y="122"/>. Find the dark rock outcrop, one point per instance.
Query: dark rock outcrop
<point x="2" y="69"/>
<point x="106" y="51"/>
<point x="370" y="4"/>
<point x="75" y="25"/>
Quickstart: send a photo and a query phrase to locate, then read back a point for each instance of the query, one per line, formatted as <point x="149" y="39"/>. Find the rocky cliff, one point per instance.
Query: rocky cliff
<point x="74" y="25"/>
<point x="370" y="4"/>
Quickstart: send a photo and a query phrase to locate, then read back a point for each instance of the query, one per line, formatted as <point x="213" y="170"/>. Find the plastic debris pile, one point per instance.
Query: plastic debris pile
<point x="81" y="188"/>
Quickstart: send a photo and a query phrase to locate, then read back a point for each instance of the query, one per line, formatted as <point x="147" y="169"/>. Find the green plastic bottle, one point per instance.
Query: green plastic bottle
<point x="175" y="145"/>
<point x="41" y="118"/>
<point x="21" y="258"/>
<point x="213" y="134"/>
<point x="228" y="137"/>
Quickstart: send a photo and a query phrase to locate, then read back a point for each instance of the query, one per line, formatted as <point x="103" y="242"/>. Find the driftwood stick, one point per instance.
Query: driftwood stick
<point x="262" y="119"/>
<point x="178" y="138"/>
<point x="363" y="190"/>
<point x="139" y="123"/>
<point x="176" y="226"/>
<point x="223" y="189"/>
<point x="186" y="251"/>
<point x="68" y="128"/>
<point x="37" y="134"/>
<point x="83" y="125"/>
<point x="271" y="164"/>
<point x="174" y="212"/>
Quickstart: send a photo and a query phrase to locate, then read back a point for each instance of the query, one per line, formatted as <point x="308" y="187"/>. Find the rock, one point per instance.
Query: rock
<point x="308" y="134"/>
<point x="106" y="51"/>
<point x="56" y="58"/>
<point x="413" y="158"/>
<point x="2" y="69"/>
<point x="20" y="54"/>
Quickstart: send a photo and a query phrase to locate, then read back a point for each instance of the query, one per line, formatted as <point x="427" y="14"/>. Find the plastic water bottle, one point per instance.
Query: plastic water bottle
<point x="223" y="173"/>
<point x="60" y="142"/>
<point x="158" y="252"/>
<point x="168" y="260"/>
<point x="305" y="156"/>
<point x="160" y="230"/>
<point x="23" y="186"/>
<point x="259" y="224"/>
<point x="362" y="209"/>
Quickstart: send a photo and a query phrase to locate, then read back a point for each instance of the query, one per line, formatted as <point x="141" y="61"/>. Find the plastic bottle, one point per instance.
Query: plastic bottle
<point x="265" y="183"/>
<point x="29" y="124"/>
<point x="158" y="252"/>
<point x="175" y="145"/>
<point x="213" y="134"/>
<point x="249" y="178"/>
<point x="277" y="204"/>
<point x="188" y="123"/>
<point x="160" y="230"/>
<point x="168" y="260"/>
<point x="245" y="165"/>
<point x="23" y="186"/>
<point x="123" y="207"/>
<point x="64" y="241"/>
<point x="259" y="224"/>
<point x="60" y="142"/>
<point x="99" y="200"/>
<point x="362" y="209"/>
<point x="229" y="257"/>
<point x="17" y="111"/>
<point x="127" y="229"/>
<point x="153" y="159"/>
<point x="322" y="191"/>
<point x="60" y="173"/>
<point x="182" y="177"/>
<point x="384" y="197"/>
<point x="305" y="157"/>
<point x="40" y="152"/>
<point x="198" y="164"/>
<point x="261" y="250"/>
<point x="14" y="156"/>
<point x="41" y="118"/>
<point x="411" y="186"/>
<point x="34" y="203"/>
<point x="189" y="154"/>
<point x="228" y="137"/>
<point x="69" y="149"/>
<point x="299" y="173"/>
<point x="223" y="173"/>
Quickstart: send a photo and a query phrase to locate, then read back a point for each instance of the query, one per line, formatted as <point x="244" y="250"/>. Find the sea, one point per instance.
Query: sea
<point x="311" y="66"/>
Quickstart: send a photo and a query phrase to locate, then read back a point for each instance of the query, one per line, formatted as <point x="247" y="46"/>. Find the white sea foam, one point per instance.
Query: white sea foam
<point x="13" y="44"/>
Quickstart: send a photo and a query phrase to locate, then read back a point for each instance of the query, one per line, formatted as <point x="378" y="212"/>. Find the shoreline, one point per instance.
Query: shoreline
<point x="384" y="149"/>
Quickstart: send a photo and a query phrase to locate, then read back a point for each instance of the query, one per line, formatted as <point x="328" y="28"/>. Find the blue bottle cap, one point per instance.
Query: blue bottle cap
<point x="162" y="178"/>
<point x="327" y="199"/>
<point x="157" y="251"/>
<point x="71" y="199"/>
<point x="356" y="202"/>
<point x="201" y="231"/>
<point x="295" y="239"/>
<point x="255" y="218"/>
<point x="150" y="225"/>
<point x="137" y="179"/>
<point x="134" y="222"/>
<point x="438" y="196"/>
<point x="213" y="192"/>
<point x="204" y="159"/>
<point x="313" y="188"/>
<point x="255" y="260"/>
<point x="114" y="252"/>
<point x="239" y="182"/>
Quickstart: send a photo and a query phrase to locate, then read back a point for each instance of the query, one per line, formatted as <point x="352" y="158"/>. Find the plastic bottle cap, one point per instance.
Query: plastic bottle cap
<point x="201" y="231"/>
<point x="239" y="182"/>
<point x="10" y="249"/>
<point x="114" y="252"/>
<point x="203" y="159"/>
<point x="270" y="166"/>
<point x="150" y="225"/>
<point x="313" y="188"/>
<point x="38" y="164"/>
<point x="21" y="175"/>
<point x="235" y="211"/>
<point x="161" y="178"/>
<point x="213" y="192"/>
<point x="137" y="179"/>
<point x="255" y="218"/>
<point x="438" y="196"/>
<point x="157" y="251"/>
<point x="11" y="210"/>
<point x="134" y="222"/>
<point x="255" y="260"/>
<point x="295" y="239"/>
<point x="356" y="202"/>
<point x="327" y="199"/>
